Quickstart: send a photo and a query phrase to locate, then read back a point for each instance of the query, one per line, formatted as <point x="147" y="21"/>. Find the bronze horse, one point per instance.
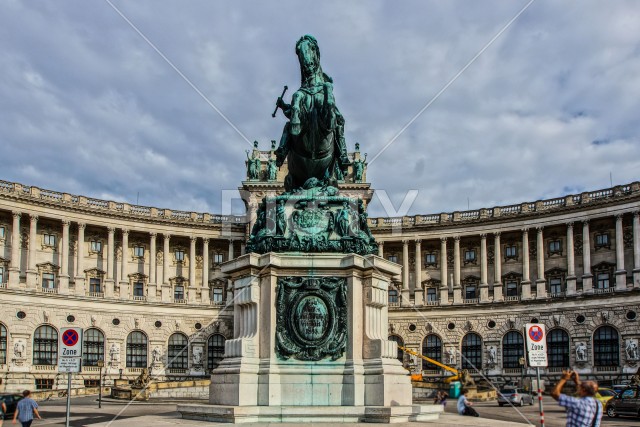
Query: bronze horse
<point x="313" y="139"/>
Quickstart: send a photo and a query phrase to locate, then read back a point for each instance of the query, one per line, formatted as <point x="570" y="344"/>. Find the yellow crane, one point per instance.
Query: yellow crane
<point x="462" y="375"/>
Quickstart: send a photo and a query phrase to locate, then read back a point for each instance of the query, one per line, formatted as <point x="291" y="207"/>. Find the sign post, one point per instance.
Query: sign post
<point x="69" y="358"/>
<point x="100" y="365"/>
<point x="536" y="339"/>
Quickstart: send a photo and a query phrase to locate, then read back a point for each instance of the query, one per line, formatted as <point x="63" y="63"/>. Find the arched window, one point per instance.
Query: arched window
<point x="136" y="350"/>
<point x="431" y="348"/>
<point x="398" y="341"/>
<point x="178" y="351"/>
<point x="558" y="348"/>
<point x="3" y="343"/>
<point x="471" y="351"/>
<point x="512" y="349"/>
<point x="215" y="350"/>
<point x="606" y="347"/>
<point x="92" y="347"/>
<point x="45" y="346"/>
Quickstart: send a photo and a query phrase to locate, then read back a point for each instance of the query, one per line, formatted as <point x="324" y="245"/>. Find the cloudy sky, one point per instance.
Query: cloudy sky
<point x="88" y="107"/>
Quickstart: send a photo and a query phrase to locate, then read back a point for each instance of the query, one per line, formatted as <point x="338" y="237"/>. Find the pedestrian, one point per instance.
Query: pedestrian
<point x="441" y="398"/>
<point x="3" y="410"/>
<point x="25" y="410"/>
<point x="464" y="406"/>
<point x="583" y="411"/>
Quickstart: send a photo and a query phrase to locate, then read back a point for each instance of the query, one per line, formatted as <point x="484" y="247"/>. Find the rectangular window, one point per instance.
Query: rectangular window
<point x="49" y="240"/>
<point x="138" y="289"/>
<point x="393" y="296"/>
<point x="91" y="383"/>
<point x="555" y="247"/>
<point x="430" y="259"/>
<point x="470" y="255"/>
<point x="48" y="281"/>
<point x="555" y="285"/>
<point x="602" y="240"/>
<point x="96" y="246"/>
<point x="178" y="292"/>
<point x="603" y="281"/>
<point x="2" y="231"/>
<point x="138" y="251"/>
<point x="511" y="251"/>
<point x="512" y="289"/>
<point x="432" y="294"/>
<point x="1" y="274"/>
<point x="179" y="255"/>
<point x="393" y="258"/>
<point x="218" y="258"/>
<point x="95" y="285"/>
<point x="217" y="295"/>
<point x="470" y="292"/>
<point x="44" y="383"/>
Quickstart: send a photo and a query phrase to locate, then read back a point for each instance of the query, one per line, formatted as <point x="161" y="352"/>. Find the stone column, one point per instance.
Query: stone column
<point x="418" y="292"/>
<point x="621" y="273"/>
<point x="204" y="296"/>
<point x="192" y="271"/>
<point x="80" y="277"/>
<point x="457" y="285"/>
<point x="541" y="283"/>
<point x="381" y="249"/>
<point x="32" y="270"/>
<point x="406" y="293"/>
<point x="444" y="273"/>
<point x="231" y="249"/>
<point x="124" y="266"/>
<point x="497" y="268"/>
<point x="111" y="246"/>
<point x="152" y="291"/>
<point x="166" y="286"/>
<point x="484" y="287"/>
<point x="571" y="263"/>
<point x="526" y="279"/>
<point x="63" y="283"/>
<point x="636" y="250"/>
<point x="243" y="247"/>
<point x="14" y="269"/>
<point x="587" y="277"/>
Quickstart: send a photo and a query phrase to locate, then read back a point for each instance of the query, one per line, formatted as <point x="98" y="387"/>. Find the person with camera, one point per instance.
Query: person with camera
<point x="582" y="411"/>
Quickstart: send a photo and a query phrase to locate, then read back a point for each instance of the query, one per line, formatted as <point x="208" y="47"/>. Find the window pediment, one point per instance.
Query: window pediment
<point x="47" y="267"/>
<point x="95" y="272"/>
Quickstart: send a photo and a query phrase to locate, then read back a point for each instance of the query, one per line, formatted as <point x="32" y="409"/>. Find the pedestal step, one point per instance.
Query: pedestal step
<point x="317" y="414"/>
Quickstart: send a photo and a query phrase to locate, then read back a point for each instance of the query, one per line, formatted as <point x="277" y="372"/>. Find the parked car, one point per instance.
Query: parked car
<point x="627" y="402"/>
<point x="515" y="396"/>
<point x="605" y="394"/>
<point x="11" y="400"/>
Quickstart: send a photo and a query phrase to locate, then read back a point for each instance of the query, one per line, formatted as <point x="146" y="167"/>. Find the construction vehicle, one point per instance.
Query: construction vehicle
<point x="461" y="375"/>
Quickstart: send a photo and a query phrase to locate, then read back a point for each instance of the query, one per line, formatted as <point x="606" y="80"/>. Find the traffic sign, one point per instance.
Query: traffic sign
<point x="69" y="364"/>
<point x="70" y="342"/>
<point x="536" y="338"/>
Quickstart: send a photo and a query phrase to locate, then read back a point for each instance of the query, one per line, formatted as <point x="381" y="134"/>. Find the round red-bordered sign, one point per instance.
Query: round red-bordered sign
<point x="536" y="333"/>
<point x="70" y="337"/>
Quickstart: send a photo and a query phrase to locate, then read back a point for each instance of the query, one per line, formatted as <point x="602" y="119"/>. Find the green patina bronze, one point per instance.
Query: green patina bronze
<point x="311" y="315"/>
<point x="313" y="140"/>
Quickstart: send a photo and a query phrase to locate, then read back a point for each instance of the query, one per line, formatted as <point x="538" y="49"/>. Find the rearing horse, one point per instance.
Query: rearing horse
<point x="313" y="139"/>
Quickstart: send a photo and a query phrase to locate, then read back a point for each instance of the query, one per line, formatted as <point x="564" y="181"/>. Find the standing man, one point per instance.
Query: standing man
<point x="584" y="411"/>
<point x="464" y="406"/>
<point x="25" y="410"/>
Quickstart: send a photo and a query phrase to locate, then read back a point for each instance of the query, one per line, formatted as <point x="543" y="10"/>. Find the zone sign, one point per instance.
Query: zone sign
<point x="536" y="339"/>
<point x="70" y="342"/>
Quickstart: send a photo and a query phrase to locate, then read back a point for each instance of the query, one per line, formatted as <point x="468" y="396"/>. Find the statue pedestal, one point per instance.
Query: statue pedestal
<point x="310" y="344"/>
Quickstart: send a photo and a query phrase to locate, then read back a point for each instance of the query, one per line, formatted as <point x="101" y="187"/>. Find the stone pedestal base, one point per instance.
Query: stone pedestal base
<point x="310" y="414"/>
<point x="310" y="343"/>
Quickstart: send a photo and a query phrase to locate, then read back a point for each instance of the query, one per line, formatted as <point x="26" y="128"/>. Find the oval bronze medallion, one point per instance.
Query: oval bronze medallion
<point x="311" y="318"/>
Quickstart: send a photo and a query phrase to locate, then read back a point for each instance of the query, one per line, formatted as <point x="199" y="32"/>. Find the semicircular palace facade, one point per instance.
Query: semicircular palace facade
<point x="144" y="283"/>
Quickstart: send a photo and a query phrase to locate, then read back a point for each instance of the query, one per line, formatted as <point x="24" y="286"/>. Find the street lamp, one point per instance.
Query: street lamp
<point x="522" y="362"/>
<point x="100" y="365"/>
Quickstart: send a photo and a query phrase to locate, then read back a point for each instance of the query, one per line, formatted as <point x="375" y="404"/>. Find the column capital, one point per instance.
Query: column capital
<point x="524" y="230"/>
<point x="65" y="222"/>
<point x="111" y="229"/>
<point x="585" y="222"/>
<point x="497" y="234"/>
<point x="570" y="224"/>
<point x="166" y="236"/>
<point x="34" y="218"/>
<point x="205" y="240"/>
<point x="153" y="234"/>
<point x="443" y="240"/>
<point x="418" y="241"/>
<point x="16" y="214"/>
<point x="125" y="231"/>
<point x="405" y="242"/>
<point x="193" y="238"/>
<point x="539" y="229"/>
<point x="483" y="236"/>
<point x="619" y="216"/>
<point x="231" y="241"/>
<point x="456" y="239"/>
<point x="82" y="226"/>
<point x="636" y="214"/>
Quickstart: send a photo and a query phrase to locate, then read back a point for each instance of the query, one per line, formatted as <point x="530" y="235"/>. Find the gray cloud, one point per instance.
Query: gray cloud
<point x="89" y="108"/>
